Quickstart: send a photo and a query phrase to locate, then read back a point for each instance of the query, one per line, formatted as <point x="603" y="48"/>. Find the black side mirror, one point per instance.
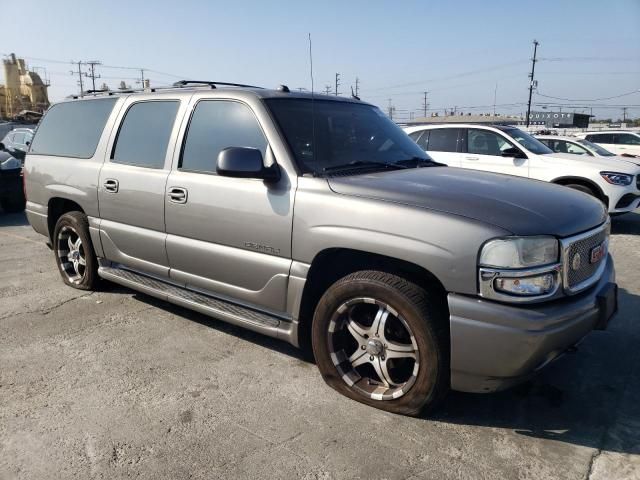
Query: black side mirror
<point x="513" y="152"/>
<point x="245" y="162"/>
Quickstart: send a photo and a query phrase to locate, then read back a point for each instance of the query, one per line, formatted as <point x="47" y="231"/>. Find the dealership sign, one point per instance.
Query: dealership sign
<point x="551" y="118"/>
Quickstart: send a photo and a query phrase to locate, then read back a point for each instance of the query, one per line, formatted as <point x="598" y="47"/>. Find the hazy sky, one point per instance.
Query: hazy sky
<point x="457" y="50"/>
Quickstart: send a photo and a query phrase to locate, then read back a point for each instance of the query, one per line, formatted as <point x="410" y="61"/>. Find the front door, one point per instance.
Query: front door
<point x="484" y="152"/>
<point x="230" y="237"/>
<point x="132" y="185"/>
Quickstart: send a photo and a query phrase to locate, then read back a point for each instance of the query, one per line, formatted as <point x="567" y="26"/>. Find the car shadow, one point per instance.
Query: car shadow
<point x="17" y="219"/>
<point x="627" y="224"/>
<point x="579" y="399"/>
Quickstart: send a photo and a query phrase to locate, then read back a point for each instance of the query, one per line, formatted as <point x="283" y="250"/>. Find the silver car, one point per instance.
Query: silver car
<point x="317" y="220"/>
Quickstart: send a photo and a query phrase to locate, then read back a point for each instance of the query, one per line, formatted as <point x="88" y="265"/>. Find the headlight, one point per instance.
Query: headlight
<point x="615" y="178"/>
<point x="519" y="252"/>
<point x="520" y="269"/>
<point x="10" y="163"/>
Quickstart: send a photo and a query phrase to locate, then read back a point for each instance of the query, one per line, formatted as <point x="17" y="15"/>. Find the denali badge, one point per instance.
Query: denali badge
<point x="597" y="253"/>
<point x="576" y="262"/>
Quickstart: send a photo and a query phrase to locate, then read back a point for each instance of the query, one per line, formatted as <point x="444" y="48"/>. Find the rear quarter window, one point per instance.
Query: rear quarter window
<point x="72" y="129"/>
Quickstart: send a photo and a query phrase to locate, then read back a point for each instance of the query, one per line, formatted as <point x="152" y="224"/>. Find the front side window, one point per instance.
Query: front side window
<point x="527" y="141"/>
<point x="18" y="138"/>
<point x="597" y="148"/>
<point x="72" y="129"/>
<point x="444" y="140"/>
<point x="627" y="139"/>
<point x="486" y="142"/>
<point x="216" y="125"/>
<point x="144" y="134"/>
<point x="423" y="141"/>
<point x="576" y="149"/>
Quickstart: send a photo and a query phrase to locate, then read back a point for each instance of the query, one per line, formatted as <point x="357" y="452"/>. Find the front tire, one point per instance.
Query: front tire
<point x="383" y="341"/>
<point x="73" y="250"/>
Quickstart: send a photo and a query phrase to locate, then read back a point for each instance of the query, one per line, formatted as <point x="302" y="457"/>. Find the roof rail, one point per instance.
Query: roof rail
<point x="184" y="83"/>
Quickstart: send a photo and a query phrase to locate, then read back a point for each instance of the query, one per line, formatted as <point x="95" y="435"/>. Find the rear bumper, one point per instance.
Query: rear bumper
<point x="11" y="184"/>
<point x="495" y="345"/>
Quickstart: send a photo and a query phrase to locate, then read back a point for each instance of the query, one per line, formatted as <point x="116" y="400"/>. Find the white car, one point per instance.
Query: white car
<point x="620" y="142"/>
<point x="508" y="150"/>
<point x="580" y="146"/>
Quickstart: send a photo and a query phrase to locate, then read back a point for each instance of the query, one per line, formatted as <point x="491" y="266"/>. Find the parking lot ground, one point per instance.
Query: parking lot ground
<point x="115" y="384"/>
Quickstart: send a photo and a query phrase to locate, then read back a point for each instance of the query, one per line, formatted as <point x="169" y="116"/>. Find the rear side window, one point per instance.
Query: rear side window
<point x="423" y="141"/>
<point x="72" y="129"/>
<point x="443" y="140"/>
<point x="627" y="139"/>
<point x="216" y="125"/>
<point x="144" y="134"/>
<point x="600" y="138"/>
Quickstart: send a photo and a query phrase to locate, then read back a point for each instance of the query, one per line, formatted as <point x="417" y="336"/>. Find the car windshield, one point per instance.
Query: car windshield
<point x="597" y="148"/>
<point x="527" y="141"/>
<point x="326" y="135"/>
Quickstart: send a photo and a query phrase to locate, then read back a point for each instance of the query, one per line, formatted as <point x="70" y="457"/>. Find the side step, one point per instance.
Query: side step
<point x="230" y="312"/>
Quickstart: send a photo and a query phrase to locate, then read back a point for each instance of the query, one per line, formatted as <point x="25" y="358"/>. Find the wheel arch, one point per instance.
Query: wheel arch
<point x="331" y="264"/>
<point x="568" y="180"/>
<point x="58" y="206"/>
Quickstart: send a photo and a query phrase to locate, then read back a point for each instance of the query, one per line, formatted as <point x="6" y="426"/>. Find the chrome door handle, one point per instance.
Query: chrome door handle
<point x="111" y="185"/>
<point x="472" y="158"/>
<point x="178" y="195"/>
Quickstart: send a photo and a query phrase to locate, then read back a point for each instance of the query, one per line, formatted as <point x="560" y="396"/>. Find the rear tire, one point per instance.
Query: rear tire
<point x="383" y="341"/>
<point x="73" y="251"/>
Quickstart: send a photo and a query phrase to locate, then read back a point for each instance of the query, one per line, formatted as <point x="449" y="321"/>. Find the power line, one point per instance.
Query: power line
<point x="589" y="99"/>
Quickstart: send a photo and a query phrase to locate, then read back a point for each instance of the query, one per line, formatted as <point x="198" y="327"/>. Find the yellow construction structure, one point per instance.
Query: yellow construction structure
<point x="23" y="90"/>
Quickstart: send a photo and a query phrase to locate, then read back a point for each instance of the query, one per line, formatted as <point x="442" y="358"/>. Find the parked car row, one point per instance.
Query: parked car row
<point x="614" y="180"/>
<point x="13" y="149"/>
<point x="317" y="220"/>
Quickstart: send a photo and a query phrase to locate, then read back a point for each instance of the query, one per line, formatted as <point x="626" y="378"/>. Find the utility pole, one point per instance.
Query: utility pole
<point x="79" y="72"/>
<point x="92" y="65"/>
<point x="327" y="89"/>
<point x="391" y="109"/>
<point x="624" y="114"/>
<point x="337" y="84"/>
<point x="142" y="77"/>
<point x="357" y="87"/>
<point x="495" y="94"/>
<point x="531" y="81"/>
<point x="425" y="104"/>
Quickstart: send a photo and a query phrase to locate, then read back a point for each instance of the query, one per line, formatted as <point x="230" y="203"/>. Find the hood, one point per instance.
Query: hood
<point x="616" y="164"/>
<point x="515" y="204"/>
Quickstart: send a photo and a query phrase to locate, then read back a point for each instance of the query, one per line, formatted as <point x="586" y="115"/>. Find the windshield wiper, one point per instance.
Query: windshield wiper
<point x="358" y="164"/>
<point x="417" y="162"/>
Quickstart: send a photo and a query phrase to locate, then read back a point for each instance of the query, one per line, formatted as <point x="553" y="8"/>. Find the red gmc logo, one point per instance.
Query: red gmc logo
<point x="597" y="253"/>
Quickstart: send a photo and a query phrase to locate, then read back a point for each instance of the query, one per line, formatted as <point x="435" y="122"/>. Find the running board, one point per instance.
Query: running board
<point x="229" y="312"/>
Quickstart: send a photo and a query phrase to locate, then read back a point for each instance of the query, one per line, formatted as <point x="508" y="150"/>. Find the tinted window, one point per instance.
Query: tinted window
<point x="414" y="136"/>
<point x="600" y="138"/>
<point x="72" y="129"/>
<point x="443" y="140"/>
<point x="485" y="142"/>
<point x="576" y="149"/>
<point x="144" y="134"/>
<point x="216" y="125"/>
<point x="627" y="139"/>
<point x="527" y="141"/>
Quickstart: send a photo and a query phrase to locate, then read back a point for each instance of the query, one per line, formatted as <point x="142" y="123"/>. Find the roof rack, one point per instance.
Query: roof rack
<point x="184" y="83"/>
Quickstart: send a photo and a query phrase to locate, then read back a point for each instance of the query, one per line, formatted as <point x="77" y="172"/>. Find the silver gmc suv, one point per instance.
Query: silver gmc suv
<point x="318" y="221"/>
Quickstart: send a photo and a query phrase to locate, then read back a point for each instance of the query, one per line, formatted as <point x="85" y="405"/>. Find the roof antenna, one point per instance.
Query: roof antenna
<point x="313" y="111"/>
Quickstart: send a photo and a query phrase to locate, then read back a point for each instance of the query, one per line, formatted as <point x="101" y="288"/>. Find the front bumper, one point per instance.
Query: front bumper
<point x="496" y="345"/>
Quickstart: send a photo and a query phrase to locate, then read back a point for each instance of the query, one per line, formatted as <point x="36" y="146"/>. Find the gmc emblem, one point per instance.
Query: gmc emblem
<point x="597" y="253"/>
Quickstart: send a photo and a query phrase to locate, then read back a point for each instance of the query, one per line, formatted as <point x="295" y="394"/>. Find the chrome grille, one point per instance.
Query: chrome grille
<point x="579" y="278"/>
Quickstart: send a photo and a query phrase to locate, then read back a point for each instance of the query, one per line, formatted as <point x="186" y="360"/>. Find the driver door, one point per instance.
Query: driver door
<point x="484" y="152"/>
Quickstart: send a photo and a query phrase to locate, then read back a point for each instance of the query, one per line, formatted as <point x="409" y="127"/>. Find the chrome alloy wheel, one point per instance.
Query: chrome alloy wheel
<point x="373" y="348"/>
<point x="71" y="254"/>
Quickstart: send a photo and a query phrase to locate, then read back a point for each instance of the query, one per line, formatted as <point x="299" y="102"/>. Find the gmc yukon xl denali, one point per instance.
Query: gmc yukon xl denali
<point x="318" y="221"/>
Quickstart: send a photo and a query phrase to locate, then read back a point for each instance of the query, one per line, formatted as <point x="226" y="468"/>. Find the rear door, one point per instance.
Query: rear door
<point x="132" y="184"/>
<point x="442" y="145"/>
<point x="604" y="139"/>
<point x="627" y="143"/>
<point x="229" y="237"/>
<point x="483" y="151"/>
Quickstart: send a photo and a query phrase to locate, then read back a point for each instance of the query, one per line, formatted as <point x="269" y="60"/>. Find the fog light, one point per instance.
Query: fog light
<point x="537" y="285"/>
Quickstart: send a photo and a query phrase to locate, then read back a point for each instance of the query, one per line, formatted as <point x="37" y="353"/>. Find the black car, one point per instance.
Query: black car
<point x="11" y="190"/>
<point x="17" y="142"/>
